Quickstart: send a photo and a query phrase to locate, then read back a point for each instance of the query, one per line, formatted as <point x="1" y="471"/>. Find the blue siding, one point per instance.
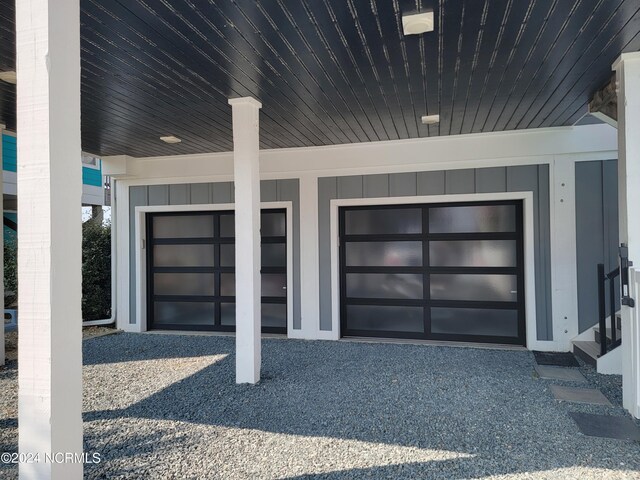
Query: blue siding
<point x="91" y="176"/>
<point x="9" y="153"/>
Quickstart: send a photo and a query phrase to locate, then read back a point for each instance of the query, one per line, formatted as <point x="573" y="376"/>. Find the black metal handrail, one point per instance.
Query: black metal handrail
<point x="602" y="314"/>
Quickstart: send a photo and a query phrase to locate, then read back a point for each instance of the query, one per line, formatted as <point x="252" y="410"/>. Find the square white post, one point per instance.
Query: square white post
<point x="628" y="78"/>
<point x="246" y="171"/>
<point x="49" y="237"/>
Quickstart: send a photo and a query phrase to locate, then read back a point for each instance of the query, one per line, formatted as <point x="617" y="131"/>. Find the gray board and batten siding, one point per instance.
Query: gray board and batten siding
<point x="534" y="178"/>
<point x="212" y="193"/>
<point x="596" y="232"/>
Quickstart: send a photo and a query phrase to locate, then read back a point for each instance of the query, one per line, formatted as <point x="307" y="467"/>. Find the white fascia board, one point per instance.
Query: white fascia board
<point x="534" y="146"/>
<point x="459" y="151"/>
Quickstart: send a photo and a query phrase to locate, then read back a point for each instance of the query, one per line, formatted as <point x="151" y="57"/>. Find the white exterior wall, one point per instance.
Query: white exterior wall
<point x="559" y="148"/>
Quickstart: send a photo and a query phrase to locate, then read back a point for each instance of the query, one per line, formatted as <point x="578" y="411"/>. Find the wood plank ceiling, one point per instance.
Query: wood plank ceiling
<point x="332" y="71"/>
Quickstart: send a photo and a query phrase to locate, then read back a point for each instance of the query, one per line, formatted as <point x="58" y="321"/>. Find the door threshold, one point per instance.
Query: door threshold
<point x="205" y="333"/>
<point x="437" y="343"/>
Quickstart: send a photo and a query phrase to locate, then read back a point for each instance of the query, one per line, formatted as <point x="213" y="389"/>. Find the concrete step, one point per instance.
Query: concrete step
<point x="587" y="351"/>
<point x="596" y="333"/>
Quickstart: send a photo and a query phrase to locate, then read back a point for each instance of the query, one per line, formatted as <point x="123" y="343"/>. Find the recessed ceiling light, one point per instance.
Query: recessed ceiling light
<point x="418" y="23"/>
<point x="430" y="119"/>
<point x="9" y="77"/>
<point x="170" y="139"/>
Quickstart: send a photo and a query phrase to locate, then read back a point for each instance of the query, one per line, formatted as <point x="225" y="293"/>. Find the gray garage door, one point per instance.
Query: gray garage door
<point x="191" y="271"/>
<point x="435" y="271"/>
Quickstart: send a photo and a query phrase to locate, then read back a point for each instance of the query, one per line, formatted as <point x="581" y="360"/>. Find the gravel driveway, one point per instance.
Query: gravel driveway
<point x="166" y="406"/>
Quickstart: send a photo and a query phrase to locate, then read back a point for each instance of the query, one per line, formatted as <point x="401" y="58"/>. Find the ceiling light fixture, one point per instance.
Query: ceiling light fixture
<point x="430" y="119"/>
<point x="9" y="77"/>
<point x="170" y="139"/>
<point x="418" y="23"/>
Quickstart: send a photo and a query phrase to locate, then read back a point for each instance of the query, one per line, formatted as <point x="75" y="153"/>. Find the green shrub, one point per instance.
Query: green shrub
<point x="96" y="271"/>
<point x="10" y="273"/>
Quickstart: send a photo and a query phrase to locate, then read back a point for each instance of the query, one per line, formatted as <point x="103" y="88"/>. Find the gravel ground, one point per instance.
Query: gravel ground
<point x="166" y="406"/>
<point x="11" y="338"/>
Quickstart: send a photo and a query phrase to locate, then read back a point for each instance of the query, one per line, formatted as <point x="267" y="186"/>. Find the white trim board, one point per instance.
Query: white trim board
<point x="120" y="205"/>
<point x="563" y="251"/>
<point x="529" y="256"/>
<point x="309" y="259"/>
<point x="522" y="147"/>
<point x="141" y="258"/>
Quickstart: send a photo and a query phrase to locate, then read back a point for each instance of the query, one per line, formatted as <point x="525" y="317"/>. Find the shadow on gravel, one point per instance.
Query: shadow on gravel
<point x="484" y="403"/>
<point x="152" y="346"/>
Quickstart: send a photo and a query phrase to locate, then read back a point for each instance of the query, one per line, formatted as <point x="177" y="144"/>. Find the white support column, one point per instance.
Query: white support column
<point x="309" y="261"/>
<point x="246" y="170"/>
<point x="49" y="237"/>
<point x="628" y="77"/>
<point x="2" y="344"/>
<point x="564" y="283"/>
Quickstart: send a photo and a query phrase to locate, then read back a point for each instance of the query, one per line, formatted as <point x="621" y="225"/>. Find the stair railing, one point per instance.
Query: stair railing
<point x="602" y="314"/>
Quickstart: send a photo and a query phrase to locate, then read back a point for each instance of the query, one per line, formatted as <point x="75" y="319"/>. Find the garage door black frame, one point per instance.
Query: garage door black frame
<point x="217" y="270"/>
<point x="426" y="270"/>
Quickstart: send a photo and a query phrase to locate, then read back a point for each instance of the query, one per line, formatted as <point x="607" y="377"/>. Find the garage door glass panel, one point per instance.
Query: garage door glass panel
<point x="274" y="315"/>
<point x="474" y="321"/>
<point x="472" y="219"/>
<point x="474" y="287"/>
<point x="384" y="254"/>
<point x="473" y="253"/>
<point x="274" y="255"/>
<point x="183" y="256"/>
<point x="228" y="284"/>
<point x="183" y="226"/>
<point x="384" y="285"/>
<point x="184" y="313"/>
<point x="274" y="285"/>
<point x="184" y="284"/>
<point x="385" y="318"/>
<point x="228" y="314"/>
<point x="227" y="255"/>
<point x="273" y="225"/>
<point x="227" y="226"/>
<point x="383" y="221"/>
